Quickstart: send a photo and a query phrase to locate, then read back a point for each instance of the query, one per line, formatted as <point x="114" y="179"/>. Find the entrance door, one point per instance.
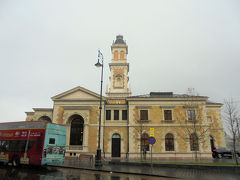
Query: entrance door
<point x="116" y="145"/>
<point x="212" y="142"/>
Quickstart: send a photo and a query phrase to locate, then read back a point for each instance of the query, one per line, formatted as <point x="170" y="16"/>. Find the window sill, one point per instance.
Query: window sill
<point x="192" y="121"/>
<point x="141" y="121"/>
<point x="168" y="121"/>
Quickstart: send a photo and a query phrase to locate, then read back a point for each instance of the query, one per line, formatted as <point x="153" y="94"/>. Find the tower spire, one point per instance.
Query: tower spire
<point x="119" y="68"/>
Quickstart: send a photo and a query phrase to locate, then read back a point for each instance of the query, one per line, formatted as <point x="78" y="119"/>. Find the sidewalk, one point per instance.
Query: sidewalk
<point x="159" y="170"/>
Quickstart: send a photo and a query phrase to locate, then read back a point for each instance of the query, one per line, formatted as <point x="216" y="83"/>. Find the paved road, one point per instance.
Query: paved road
<point x="74" y="169"/>
<point x="35" y="173"/>
<point x="184" y="173"/>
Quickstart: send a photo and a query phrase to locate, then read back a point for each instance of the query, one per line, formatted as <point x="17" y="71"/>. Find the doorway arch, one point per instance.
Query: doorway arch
<point x="116" y="145"/>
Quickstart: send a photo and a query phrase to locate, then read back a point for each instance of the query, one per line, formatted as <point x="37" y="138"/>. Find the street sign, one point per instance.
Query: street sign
<point x="151" y="132"/>
<point x="152" y="140"/>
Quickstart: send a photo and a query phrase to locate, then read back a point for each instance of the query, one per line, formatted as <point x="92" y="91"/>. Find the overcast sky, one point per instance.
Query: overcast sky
<point x="50" y="46"/>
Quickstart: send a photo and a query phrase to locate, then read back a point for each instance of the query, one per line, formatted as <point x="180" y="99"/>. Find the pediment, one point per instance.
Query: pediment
<point x="78" y="93"/>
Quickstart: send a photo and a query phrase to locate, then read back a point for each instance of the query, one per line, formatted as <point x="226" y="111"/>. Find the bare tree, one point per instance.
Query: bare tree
<point x="193" y="126"/>
<point x="141" y="130"/>
<point x="231" y="118"/>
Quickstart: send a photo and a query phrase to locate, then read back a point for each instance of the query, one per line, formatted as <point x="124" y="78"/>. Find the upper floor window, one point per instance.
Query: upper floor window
<point x="143" y="114"/>
<point x="116" y="114"/>
<point x="108" y="114"/>
<point x="191" y="115"/>
<point x="124" y="114"/>
<point x="167" y="115"/>
<point x="115" y="55"/>
<point x="122" y="55"/>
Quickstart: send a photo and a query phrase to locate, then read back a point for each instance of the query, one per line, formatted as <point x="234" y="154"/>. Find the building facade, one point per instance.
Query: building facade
<point x="184" y="126"/>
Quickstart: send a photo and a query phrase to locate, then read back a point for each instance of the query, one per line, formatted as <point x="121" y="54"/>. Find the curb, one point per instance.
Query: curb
<point x="200" y="167"/>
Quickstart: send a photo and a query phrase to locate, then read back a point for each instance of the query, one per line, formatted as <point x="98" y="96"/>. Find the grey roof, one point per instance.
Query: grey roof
<point x="210" y="102"/>
<point x="119" y="40"/>
<point x="165" y="95"/>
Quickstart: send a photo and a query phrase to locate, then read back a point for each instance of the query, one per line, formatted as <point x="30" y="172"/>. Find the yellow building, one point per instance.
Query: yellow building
<point x="184" y="126"/>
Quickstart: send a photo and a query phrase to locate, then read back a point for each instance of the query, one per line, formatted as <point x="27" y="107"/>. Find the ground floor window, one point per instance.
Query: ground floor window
<point x="194" y="146"/>
<point x="169" y="142"/>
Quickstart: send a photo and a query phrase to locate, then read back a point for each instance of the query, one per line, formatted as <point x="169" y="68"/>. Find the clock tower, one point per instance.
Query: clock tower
<point x="119" y="68"/>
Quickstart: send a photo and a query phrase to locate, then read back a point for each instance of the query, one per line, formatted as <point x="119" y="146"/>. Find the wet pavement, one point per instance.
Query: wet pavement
<point x="50" y="173"/>
<point x="75" y="169"/>
<point x="191" y="173"/>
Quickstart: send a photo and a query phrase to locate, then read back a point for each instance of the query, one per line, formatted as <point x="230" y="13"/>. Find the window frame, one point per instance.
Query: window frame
<point x="194" y="146"/>
<point x="108" y="115"/>
<point x="142" y="117"/>
<point x="190" y="115"/>
<point x="164" y="114"/>
<point x="116" y="114"/>
<point x="169" y="142"/>
<point x="124" y="113"/>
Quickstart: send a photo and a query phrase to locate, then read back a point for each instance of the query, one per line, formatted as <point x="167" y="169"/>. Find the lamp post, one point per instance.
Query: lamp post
<point x="98" y="160"/>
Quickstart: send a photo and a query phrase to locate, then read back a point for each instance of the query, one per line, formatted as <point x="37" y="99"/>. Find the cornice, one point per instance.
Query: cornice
<point x="43" y="109"/>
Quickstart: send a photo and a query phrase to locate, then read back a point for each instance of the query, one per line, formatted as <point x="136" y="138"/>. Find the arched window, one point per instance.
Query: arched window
<point x="122" y="55"/>
<point x="169" y="142"/>
<point x="144" y="142"/>
<point x="116" y="136"/>
<point x="45" y="118"/>
<point x="194" y="146"/>
<point x="115" y="55"/>
<point x="76" y="132"/>
<point x="118" y="81"/>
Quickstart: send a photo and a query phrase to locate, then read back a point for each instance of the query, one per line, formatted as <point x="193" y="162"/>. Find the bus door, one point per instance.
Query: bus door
<point x="35" y="148"/>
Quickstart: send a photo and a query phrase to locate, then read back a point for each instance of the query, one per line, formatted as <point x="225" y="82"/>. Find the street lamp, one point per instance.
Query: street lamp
<point x="98" y="160"/>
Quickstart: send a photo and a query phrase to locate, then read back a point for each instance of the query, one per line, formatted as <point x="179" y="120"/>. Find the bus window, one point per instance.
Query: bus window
<point x="19" y="146"/>
<point x="52" y="141"/>
<point x="16" y="146"/>
<point x="3" y="146"/>
<point x="30" y="144"/>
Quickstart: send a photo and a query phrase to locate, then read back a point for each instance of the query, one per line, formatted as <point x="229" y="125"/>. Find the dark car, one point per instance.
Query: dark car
<point x="220" y="152"/>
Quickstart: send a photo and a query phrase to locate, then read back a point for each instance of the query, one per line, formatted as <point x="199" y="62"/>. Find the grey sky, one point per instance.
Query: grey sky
<point x="50" y="46"/>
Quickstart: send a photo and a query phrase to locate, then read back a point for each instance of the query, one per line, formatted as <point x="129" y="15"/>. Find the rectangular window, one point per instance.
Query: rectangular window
<point x="143" y="114"/>
<point x="191" y="115"/>
<point x="52" y="141"/>
<point x="116" y="114"/>
<point x="167" y="115"/>
<point x="108" y="114"/>
<point x="124" y="114"/>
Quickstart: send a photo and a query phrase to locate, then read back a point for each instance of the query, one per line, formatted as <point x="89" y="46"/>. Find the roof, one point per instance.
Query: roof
<point x="166" y="95"/>
<point x="212" y="103"/>
<point x="119" y="40"/>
